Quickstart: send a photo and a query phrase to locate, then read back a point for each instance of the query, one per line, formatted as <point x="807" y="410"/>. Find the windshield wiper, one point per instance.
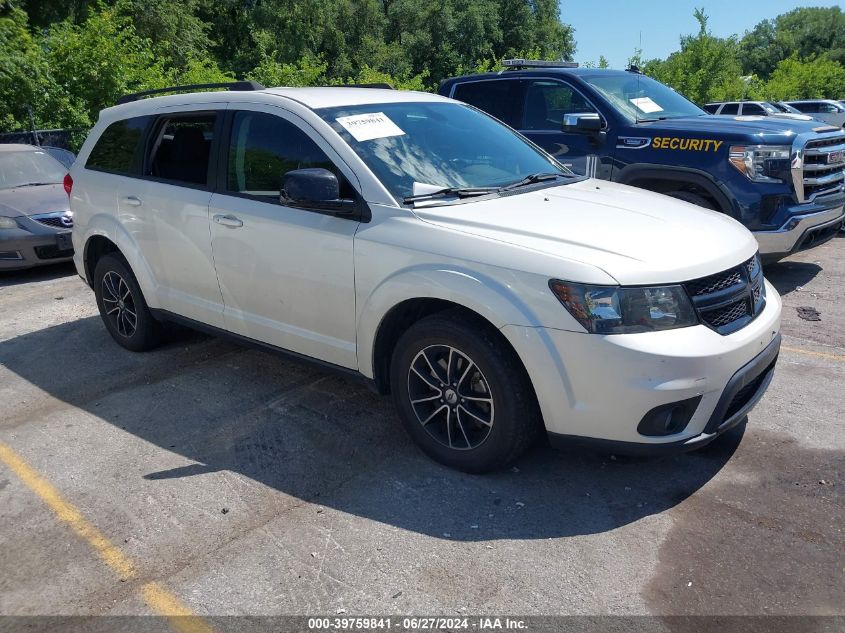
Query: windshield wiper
<point x="34" y="184"/>
<point x="531" y="179"/>
<point x="459" y="192"/>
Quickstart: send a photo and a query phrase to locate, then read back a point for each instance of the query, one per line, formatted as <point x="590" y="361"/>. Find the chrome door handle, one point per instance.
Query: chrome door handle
<point x="229" y="221"/>
<point x="132" y="201"/>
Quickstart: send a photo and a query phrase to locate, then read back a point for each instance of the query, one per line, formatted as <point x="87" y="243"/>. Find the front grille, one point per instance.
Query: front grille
<point x="714" y="283"/>
<point x="727" y="314"/>
<point x="731" y="299"/>
<point x="57" y="220"/>
<point x="823" y="169"/>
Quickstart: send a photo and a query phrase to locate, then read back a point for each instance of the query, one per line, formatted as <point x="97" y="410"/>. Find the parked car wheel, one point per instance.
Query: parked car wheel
<point x="122" y="306"/>
<point x="462" y="393"/>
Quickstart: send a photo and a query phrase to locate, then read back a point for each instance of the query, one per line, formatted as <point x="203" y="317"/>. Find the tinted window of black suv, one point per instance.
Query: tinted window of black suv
<point x="501" y="98"/>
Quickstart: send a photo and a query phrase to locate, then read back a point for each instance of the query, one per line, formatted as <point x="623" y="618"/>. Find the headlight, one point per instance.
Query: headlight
<point x="8" y="223"/>
<point x="618" y="310"/>
<point x="761" y="163"/>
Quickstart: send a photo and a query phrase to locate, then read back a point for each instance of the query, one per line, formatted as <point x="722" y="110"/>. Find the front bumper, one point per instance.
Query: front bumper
<point x="800" y="232"/>
<point x="598" y="388"/>
<point x="20" y="248"/>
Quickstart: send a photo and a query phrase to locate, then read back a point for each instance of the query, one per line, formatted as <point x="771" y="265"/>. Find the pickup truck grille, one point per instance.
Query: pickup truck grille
<point x="824" y="167"/>
<point x="729" y="300"/>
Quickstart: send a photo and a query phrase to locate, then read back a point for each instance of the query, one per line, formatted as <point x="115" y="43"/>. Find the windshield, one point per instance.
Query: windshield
<point x="29" y="167"/>
<point x="640" y="98"/>
<point x="437" y="145"/>
<point x="768" y="107"/>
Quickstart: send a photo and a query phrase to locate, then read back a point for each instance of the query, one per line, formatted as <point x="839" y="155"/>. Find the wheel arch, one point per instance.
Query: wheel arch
<point x="104" y="234"/>
<point x="401" y="301"/>
<point x="665" y="179"/>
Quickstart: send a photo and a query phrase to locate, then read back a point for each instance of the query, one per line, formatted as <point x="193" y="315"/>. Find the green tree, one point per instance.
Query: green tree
<point x="794" y="78"/>
<point x="706" y="68"/>
<point x="101" y="59"/>
<point x="807" y="32"/>
<point x="27" y="85"/>
<point x="175" y="31"/>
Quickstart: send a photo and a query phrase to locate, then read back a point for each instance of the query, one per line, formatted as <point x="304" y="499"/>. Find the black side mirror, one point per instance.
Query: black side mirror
<point x="314" y="188"/>
<point x="581" y="123"/>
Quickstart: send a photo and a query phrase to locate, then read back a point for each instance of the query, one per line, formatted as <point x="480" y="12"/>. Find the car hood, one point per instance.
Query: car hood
<point x="772" y="129"/>
<point x="633" y="235"/>
<point x="33" y="200"/>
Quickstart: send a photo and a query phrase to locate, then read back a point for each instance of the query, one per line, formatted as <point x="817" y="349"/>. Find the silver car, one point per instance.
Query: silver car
<point x="35" y="217"/>
<point x="754" y="108"/>
<point x="827" y="110"/>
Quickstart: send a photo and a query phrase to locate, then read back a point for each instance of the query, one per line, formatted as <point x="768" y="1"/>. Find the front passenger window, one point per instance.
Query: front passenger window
<point x="264" y="147"/>
<point x="546" y="102"/>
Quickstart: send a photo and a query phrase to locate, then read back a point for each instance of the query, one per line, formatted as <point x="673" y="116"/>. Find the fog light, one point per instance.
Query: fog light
<point x="668" y="419"/>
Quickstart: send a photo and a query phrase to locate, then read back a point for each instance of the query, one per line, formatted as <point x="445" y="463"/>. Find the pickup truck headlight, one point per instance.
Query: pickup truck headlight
<point x="761" y="163"/>
<point x="619" y="310"/>
<point x="8" y="223"/>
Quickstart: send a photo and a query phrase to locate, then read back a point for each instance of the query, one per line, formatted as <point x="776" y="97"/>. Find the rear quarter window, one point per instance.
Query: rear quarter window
<point x="119" y="150"/>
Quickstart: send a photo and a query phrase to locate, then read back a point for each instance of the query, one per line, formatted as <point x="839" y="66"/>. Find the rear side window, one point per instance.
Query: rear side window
<point x="182" y="148"/>
<point x="119" y="149"/>
<point x="264" y="147"/>
<point x="730" y="108"/>
<point x="807" y="107"/>
<point x="501" y="98"/>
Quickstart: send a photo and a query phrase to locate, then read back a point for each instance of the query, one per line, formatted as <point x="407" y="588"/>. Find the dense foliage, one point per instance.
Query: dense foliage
<point x="798" y="55"/>
<point x="61" y="61"/>
<point x="64" y="60"/>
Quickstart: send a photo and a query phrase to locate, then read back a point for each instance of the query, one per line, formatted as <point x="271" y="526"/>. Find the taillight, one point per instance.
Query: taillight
<point x="68" y="184"/>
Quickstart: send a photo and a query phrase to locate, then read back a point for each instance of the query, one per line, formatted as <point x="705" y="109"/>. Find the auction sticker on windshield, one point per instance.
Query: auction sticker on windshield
<point x="646" y="104"/>
<point x="366" y="127"/>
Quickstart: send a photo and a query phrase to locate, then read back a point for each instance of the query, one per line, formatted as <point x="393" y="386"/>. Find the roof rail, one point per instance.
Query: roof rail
<point x="231" y="85"/>
<point x="383" y="85"/>
<point x="514" y="64"/>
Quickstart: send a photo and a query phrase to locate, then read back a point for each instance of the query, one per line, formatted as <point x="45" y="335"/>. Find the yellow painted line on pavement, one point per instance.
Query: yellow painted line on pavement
<point x="798" y="350"/>
<point x="164" y="603"/>
<point x="179" y="616"/>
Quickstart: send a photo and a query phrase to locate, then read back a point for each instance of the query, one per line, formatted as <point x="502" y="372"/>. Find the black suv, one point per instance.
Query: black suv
<point x="782" y="179"/>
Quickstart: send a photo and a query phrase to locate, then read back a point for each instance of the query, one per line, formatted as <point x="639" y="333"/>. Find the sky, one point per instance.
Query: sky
<point x="612" y="27"/>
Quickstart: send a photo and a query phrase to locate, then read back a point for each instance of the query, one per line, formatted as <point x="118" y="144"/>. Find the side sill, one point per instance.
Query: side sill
<point x="167" y="316"/>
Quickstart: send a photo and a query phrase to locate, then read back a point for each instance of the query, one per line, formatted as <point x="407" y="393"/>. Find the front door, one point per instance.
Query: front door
<point x="546" y="103"/>
<point x="286" y="274"/>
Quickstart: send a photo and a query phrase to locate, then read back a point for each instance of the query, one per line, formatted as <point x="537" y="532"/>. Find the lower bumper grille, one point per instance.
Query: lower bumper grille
<point x="52" y="252"/>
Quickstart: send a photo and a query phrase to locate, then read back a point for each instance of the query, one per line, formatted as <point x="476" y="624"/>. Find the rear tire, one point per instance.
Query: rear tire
<point x="122" y="306"/>
<point x="462" y="393"/>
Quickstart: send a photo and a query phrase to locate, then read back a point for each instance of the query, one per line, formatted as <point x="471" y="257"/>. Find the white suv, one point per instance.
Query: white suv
<point x="420" y="244"/>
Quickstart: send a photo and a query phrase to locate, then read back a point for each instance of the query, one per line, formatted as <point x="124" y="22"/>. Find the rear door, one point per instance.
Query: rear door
<point x="167" y="211"/>
<point x="287" y="274"/>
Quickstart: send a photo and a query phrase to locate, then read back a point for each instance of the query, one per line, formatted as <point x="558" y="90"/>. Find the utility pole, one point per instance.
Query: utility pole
<point x="32" y="126"/>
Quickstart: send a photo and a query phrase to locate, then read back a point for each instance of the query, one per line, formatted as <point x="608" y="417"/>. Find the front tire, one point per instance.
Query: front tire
<point x="122" y="306"/>
<point x="462" y="393"/>
<point x="692" y="198"/>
